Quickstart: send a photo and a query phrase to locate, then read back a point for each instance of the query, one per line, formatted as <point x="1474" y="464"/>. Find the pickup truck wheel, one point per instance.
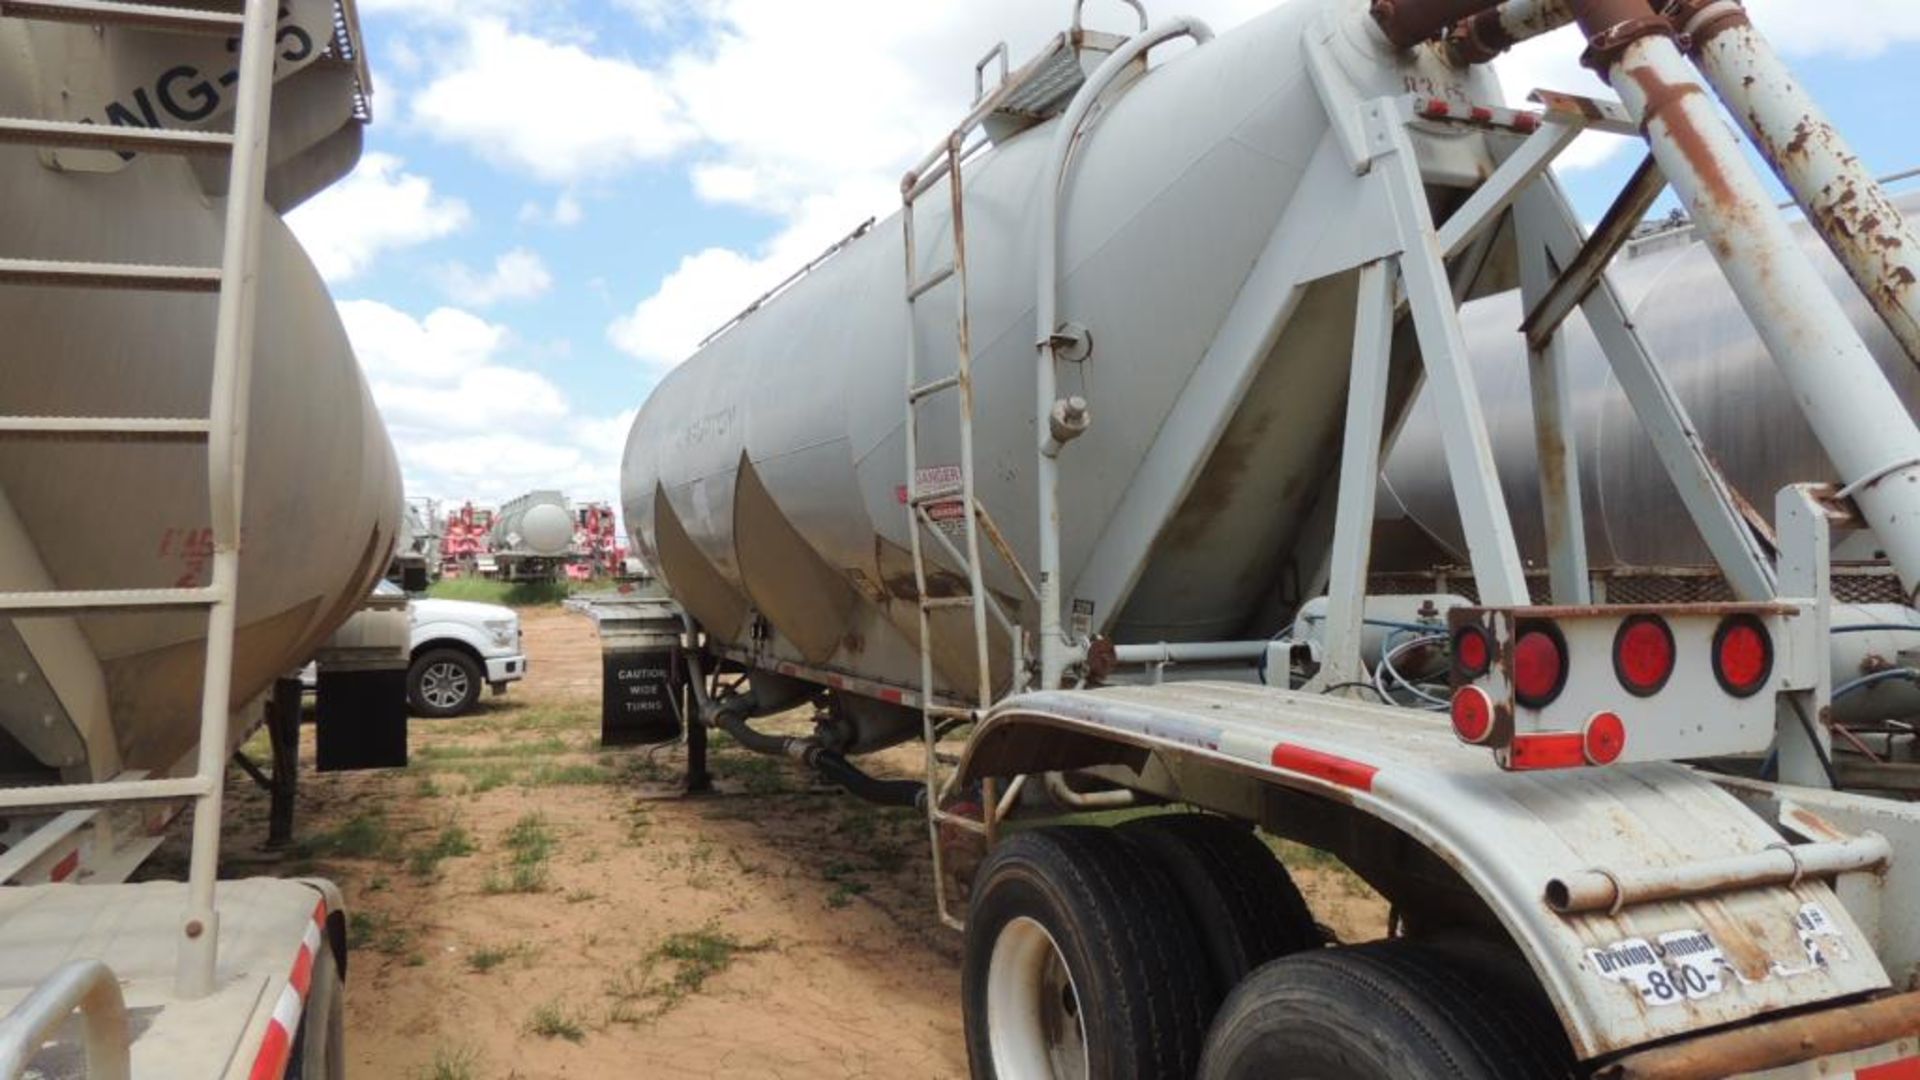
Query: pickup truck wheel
<point x="1393" y="1008"/>
<point x="1238" y="895"/>
<point x="1080" y="961"/>
<point x="443" y="683"/>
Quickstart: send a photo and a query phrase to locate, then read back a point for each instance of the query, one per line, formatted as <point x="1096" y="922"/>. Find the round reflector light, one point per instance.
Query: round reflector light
<point x="1643" y="654"/>
<point x="1742" y="655"/>
<point x="1472" y="715"/>
<point x="1539" y="665"/>
<point x="1472" y="652"/>
<point x="1605" y="739"/>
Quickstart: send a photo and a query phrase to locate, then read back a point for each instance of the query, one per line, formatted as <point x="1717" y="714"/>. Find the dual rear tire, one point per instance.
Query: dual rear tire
<point x="1107" y="953"/>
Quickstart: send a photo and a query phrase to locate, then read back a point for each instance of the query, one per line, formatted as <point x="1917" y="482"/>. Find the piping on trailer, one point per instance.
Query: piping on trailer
<point x="1055" y="649"/>
<point x="1844" y="395"/>
<point x="1484" y="36"/>
<point x="730" y="715"/>
<point x="1116" y="799"/>
<point x="1843" y="202"/>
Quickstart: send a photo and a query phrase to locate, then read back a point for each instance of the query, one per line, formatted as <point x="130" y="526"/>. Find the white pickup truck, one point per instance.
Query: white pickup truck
<point x="454" y="648"/>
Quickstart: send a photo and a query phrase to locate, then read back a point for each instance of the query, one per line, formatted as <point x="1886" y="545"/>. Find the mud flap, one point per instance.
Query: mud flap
<point x="643" y="695"/>
<point x="362" y="720"/>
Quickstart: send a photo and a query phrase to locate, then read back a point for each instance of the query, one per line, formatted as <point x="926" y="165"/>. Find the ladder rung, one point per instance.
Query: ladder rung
<point x="194" y="279"/>
<point x="937" y="386"/>
<point x="114" y="428"/>
<point x="110" y="13"/>
<point x="940" y="277"/>
<point x="943" y="493"/>
<point x="944" y="603"/>
<point x="25" y="605"/>
<point x="53" y="796"/>
<point x="132" y="140"/>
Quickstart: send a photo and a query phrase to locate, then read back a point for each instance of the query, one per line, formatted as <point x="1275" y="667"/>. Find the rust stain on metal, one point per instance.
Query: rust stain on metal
<point x="1409" y="22"/>
<point x="1666" y="103"/>
<point x="1775" y="1043"/>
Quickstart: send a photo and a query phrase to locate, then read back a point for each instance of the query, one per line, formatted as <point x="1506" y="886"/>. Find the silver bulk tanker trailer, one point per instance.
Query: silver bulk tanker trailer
<point x="1072" y="469"/>
<point x="323" y="497"/>
<point x="532" y="536"/>
<point x="196" y="491"/>
<point x="1744" y="409"/>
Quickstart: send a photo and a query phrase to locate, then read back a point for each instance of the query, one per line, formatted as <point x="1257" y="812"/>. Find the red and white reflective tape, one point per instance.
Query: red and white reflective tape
<point x="271" y="1063"/>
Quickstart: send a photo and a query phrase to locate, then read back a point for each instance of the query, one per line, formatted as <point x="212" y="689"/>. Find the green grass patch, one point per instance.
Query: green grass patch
<point x="506" y="750"/>
<point x="530" y="843"/>
<point x="377" y="931"/>
<point x="482" y="960"/>
<point x="452" y="842"/>
<point x="555" y="1021"/>
<point x="697" y="956"/>
<point x="484" y="591"/>
<point x="366" y="835"/>
<point x="452" y="1064"/>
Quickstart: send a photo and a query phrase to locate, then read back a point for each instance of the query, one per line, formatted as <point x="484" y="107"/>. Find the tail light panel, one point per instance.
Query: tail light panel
<point x="1615" y="696"/>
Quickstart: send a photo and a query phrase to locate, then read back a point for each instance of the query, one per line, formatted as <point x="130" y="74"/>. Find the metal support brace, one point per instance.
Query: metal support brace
<point x="1561" y="502"/>
<point x="1716" y="509"/>
<point x="1484" y="209"/>
<point x="1359" y="476"/>
<point x="1802" y="737"/>
<point x="1443" y="349"/>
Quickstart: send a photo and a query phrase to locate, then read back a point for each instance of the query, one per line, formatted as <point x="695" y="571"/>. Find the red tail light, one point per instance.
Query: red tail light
<point x="1472" y="652"/>
<point x="1605" y="739"/>
<point x="1472" y="715"/>
<point x="1742" y="655"/>
<point x="1643" y="654"/>
<point x="1539" y="664"/>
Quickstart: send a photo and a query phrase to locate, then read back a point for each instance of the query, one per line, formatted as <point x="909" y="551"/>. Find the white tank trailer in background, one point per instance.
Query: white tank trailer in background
<point x="1070" y="471"/>
<point x="532" y="537"/>
<point x="196" y="492"/>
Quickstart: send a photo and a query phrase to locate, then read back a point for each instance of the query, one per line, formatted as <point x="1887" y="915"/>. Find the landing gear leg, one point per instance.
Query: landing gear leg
<point x="283" y="729"/>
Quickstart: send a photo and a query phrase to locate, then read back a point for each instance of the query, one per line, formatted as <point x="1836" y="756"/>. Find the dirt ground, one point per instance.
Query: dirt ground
<point x="526" y="905"/>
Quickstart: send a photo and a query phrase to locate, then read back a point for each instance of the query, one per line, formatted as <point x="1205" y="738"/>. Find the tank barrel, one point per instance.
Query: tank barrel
<point x="1852" y="213"/>
<point x="1848" y="401"/>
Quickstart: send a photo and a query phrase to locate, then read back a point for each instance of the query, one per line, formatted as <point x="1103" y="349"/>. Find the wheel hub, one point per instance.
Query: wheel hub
<point x="1033" y="1009"/>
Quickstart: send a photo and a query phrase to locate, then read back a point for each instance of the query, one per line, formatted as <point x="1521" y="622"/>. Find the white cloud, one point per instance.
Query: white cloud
<point x="553" y="110"/>
<point x="1857" y="28"/>
<point x="469" y="424"/>
<point x="379" y="208"/>
<point x="566" y="211"/>
<point x="520" y="274"/>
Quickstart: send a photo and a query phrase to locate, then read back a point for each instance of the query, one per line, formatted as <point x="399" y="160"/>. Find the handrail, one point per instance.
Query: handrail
<point x="89" y="986"/>
<point x="1079" y="7"/>
<point x="787" y="282"/>
<point x="1066" y="138"/>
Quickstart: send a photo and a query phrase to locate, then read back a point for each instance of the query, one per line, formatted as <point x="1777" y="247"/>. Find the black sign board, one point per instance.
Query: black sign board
<point x="641" y="695"/>
<point x="361" y="720"/>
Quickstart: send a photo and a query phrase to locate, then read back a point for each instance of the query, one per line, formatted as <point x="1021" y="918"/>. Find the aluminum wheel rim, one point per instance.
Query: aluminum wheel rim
<point x="443" y="685"/>
<point x="1034" y="1024"/>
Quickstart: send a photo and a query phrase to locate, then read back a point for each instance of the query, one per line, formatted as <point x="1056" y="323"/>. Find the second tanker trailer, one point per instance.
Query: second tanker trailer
<point x="1101" y="413"/>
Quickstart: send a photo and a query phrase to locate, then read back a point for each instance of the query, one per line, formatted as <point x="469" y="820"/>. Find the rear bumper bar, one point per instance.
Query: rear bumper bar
<point x="1775" y="1043"/>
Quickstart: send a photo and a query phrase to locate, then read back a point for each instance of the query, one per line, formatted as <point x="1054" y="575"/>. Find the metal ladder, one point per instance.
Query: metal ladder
<point x="223" y="432"/>
<point x="946" y="164"/>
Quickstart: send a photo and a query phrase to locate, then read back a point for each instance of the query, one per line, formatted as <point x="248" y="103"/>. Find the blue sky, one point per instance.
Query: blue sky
<point x="560" y="198"/>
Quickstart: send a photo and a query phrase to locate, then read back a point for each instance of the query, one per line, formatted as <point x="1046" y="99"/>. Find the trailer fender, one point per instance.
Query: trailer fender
<point x="1725" y="949"/>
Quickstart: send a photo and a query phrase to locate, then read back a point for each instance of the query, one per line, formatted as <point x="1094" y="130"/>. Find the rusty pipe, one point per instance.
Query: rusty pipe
<point x="1484" y="36"/>
<point x="1611" y="890"/>
<point x="1409" y="22"/>
<point x="1773" y="1043"/>
<point x="1849" y="209"/>
<point x="1842" y="392"/>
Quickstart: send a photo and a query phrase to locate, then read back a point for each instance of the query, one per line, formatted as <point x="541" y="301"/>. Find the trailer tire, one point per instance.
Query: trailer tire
<point x="319" y="1050"/>
<point x="1392" y="1008"/>
<point x="443" y="683"/>
<point x="1080" y="960"/>
<point x="1240" y="898"/>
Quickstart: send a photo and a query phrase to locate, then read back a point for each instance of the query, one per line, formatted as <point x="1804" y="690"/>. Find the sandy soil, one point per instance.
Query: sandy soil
<point x="527" y="906"/>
